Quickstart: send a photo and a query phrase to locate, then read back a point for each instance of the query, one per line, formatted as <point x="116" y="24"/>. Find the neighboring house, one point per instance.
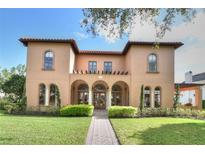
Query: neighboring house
<point x="101" y="78"/>
<point x="192" y="90"/>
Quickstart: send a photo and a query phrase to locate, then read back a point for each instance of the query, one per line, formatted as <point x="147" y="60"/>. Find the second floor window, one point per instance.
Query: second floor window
<point x="108" y="66"/>
<point x="48" y="60"/>
<point x="152" y="63"/>
<point x="92" y="66"/>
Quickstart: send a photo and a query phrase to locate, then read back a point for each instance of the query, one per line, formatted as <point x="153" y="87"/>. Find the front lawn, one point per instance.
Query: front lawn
<point x="157" y="131"/>
<point x="43" y="130"/>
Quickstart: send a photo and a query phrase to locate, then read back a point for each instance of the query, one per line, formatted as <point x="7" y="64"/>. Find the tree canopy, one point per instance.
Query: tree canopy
<point x="119" y="21"/>
<point x="12" y="82"/>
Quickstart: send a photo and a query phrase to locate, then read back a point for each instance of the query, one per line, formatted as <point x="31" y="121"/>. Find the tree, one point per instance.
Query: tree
<point x="142" y="98"/>
<point x="176" y="97"/>
<point x="119" y="21"/>
<point x="12" y="82"/>
<point x="14" y="87"/>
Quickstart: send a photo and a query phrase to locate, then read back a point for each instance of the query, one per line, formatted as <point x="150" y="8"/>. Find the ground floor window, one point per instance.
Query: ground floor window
<point x="54" y="95"/>
<point x="157" y="97"/>
<point x="42" y="94"/>
<point x="147" y="97"/>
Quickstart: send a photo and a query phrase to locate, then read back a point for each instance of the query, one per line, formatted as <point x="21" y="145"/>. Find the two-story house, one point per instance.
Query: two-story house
<point x="56" y="68"/>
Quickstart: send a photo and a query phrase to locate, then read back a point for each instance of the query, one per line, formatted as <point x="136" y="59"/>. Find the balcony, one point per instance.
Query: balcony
<point x="101" y="72"/>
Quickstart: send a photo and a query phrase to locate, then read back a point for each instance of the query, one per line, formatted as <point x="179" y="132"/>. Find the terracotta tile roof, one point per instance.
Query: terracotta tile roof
<point x="129" y="43"/>
<point x="25" y="41"/>
<point x="100" y="52"/>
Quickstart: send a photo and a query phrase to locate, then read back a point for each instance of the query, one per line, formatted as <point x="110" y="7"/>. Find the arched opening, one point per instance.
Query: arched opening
<point x="42" y="94"/>
<point x="147" y="97"/>
<point x="152" y="63"/>
<point x="83" y="92"/>
<point x="120" y="94"/>
<point x="48" y="60"/>
<point x="54" y="99"/>
<point x="99" y="94"/>
<point x="79" y="92"/>
<point x="157" y="97"/>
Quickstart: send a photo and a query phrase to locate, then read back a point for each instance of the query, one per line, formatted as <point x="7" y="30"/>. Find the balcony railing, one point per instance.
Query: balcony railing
<point x="100" y="72"/>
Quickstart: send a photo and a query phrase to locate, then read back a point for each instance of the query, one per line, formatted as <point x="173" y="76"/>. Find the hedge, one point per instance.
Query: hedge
<point x="170" y="112"/>
<point x="203" y="104"/>
<point x="77" y="110"/>
<point x="121" y="111"/>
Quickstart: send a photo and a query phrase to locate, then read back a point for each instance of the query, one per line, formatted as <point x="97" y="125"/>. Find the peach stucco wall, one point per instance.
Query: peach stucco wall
<point x="36" y="75"/>
<point x="118" y="62"/>
<point x="135" y="61"/>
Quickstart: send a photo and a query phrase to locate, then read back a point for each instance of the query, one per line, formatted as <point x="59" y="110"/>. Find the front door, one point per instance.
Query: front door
<point x="99" y="100"/>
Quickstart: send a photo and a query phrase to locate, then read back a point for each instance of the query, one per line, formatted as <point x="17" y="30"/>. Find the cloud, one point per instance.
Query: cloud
<point x="147" y="31"/>
<point x="192" y="34"/>
<point x="80" y="35"/>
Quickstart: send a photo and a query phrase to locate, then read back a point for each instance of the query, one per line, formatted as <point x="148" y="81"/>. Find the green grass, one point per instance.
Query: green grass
<point x="43" y="130"/>
<point x="160" y="131"/>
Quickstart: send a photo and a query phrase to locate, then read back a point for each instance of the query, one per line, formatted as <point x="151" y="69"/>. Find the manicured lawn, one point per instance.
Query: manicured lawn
<point x="43" y="130"/>
<point x="154" y="131"/>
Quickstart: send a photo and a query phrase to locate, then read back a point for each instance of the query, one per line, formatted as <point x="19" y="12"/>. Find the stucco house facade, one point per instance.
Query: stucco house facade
<point x="59" y="72"/>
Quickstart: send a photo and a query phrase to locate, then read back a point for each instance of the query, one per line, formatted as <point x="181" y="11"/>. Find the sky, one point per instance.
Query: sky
<point x="65" y="23"/>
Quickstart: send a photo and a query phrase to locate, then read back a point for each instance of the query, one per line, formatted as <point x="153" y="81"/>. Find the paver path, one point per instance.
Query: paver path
<point x="101" y="131"/>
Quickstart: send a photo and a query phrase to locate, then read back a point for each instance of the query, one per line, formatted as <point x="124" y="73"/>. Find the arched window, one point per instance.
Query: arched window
<point x="152" y="63"/>
<point x="157" y="97"/>
<point x="54" y="95"/>
<point x="48" y="60"/>
<point x="83" y="93"/>
<point x="42" y="93"/>
<point x="116" y="95"/>
<point x="147" y="97"/>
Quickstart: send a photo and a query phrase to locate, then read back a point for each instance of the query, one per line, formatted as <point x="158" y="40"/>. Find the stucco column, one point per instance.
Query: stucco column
<point x="109" y="97"/>
<point x="152" y="98"/>
<point x="90" y="97"/>
<point x="47" y="95"/>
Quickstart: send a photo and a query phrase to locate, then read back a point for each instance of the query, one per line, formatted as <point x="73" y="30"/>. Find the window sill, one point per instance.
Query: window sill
<point x="152" y="72"/>
<point x="43" y="69"/>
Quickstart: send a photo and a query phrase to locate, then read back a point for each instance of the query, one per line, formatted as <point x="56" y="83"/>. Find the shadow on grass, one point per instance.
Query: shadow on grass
<point x="5" y="139"/>
<point x="172" y="134"/>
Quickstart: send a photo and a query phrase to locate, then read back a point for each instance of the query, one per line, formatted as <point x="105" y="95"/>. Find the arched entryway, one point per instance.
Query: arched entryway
<point x="120" y="94"/>
<point x="100" y="94"/>
<point x="79" y="92"/>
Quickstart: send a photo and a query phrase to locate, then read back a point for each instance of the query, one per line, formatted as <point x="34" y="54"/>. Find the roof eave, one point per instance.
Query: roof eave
<point x="130" y="43"/>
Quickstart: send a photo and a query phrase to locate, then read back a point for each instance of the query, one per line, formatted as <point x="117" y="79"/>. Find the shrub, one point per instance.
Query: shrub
<point x="12" y="108"/>
<point x="3" y="102"/>
<point x="203" y="104"/>
<point x="42" y="110"/>
<point x="77" y="110"/>
<point x="122" y="111"/>
<point x="156" y="112"/>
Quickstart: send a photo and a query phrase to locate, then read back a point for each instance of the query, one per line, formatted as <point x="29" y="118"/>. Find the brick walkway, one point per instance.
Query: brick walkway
<point x="101" y="131"/>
